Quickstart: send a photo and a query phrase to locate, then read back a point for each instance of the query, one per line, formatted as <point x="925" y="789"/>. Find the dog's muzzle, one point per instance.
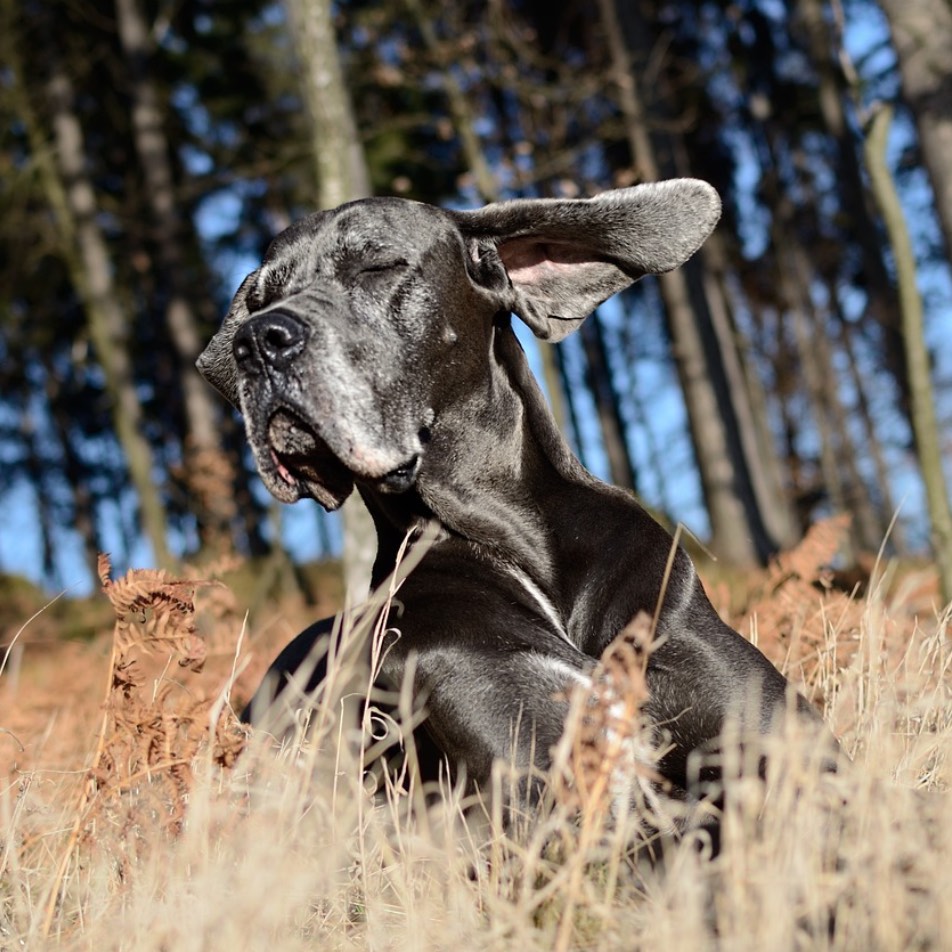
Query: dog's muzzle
<point x="299" y="454"/>
<point x="303" y="460"/>
<point x="296" y="454"/>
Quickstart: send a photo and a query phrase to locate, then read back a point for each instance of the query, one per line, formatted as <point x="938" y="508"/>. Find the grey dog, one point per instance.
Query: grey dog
<point x="374" y="349"/>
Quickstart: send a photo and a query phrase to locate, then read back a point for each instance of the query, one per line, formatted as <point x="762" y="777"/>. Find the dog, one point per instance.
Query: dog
<point x="374" y="349"/>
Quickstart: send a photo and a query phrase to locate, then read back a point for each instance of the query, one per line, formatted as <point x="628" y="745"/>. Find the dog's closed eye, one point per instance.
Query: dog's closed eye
<point x="380" y="268"/>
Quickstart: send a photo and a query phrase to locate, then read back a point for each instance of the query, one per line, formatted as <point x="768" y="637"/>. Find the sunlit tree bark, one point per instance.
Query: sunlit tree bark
<point x="923" y="406"/>
<point x="108" y="324"/>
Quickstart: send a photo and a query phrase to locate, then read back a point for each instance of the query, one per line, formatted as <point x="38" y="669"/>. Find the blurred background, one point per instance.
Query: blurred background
<point x="798" y="367"/>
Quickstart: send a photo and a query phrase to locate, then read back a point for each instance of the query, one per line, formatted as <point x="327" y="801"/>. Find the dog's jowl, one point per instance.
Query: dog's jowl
<point x="373" y="350"/>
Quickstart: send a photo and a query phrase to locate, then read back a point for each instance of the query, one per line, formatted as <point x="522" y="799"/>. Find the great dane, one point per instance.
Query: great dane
<point x="374" y="349"/>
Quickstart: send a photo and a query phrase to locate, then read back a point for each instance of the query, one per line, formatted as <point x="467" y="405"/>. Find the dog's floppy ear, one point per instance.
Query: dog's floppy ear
<point x="565" y="256"/>
<point x="216" y="363"/>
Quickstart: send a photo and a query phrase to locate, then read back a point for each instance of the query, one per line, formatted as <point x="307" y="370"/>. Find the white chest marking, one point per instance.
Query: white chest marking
<point x="541" y="600"/>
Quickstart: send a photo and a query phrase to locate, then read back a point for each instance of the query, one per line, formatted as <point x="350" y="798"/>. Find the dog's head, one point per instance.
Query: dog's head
<point x="363" y="323"/>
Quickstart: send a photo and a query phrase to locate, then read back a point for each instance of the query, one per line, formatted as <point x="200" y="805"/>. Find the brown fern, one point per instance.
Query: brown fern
<point x="604" y="723"/>
<point x="155" y="611"/>
<point x="142" y="765"/>
<point x="795" y="603"/>
<point x="602" y="754"/>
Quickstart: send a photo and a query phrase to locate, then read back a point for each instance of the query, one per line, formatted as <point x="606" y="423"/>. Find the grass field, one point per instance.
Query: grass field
<point x="137" y="815"/>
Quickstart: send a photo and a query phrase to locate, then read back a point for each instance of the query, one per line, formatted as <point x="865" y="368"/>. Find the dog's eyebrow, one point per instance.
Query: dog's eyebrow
<point x="358" y="237"/>
<point x="272" y="284"/>
<point x="364" y="248"/>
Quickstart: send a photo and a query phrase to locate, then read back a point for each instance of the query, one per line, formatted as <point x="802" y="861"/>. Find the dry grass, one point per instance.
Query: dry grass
<point x="130" y="823"/>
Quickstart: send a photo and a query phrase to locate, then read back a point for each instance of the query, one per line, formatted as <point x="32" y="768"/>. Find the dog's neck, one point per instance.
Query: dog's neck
<point x="514" y="493"/>
<point x="508" y="482"/>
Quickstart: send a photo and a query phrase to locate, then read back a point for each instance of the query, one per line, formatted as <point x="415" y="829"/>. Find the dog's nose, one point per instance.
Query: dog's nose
<point x="275" y="339"/>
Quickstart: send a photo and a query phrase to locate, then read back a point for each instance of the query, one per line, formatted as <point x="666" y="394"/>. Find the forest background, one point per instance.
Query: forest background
<point x="151" y="150"/>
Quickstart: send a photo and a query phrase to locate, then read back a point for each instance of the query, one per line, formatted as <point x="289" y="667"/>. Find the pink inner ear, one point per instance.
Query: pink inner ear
<point x="530" y="261"/>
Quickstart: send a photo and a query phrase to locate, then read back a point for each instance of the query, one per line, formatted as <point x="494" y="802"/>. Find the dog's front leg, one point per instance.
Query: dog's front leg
<point x="498" y="701"/>
<point x="706" y="681"/>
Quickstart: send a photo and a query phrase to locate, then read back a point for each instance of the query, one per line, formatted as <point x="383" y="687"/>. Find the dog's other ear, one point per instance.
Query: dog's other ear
<point x="565" y="256"/>
<point x="216" y="363"/>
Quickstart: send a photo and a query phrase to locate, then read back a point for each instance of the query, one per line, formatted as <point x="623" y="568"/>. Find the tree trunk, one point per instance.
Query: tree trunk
<point x="575" y="428"/>
<point x="84" y="505"/>
<point x="868" y="529"/>
<point x="782" y="523"/>
<point x="738" y="529"/>
<point x="655" y="457"/>
<point x="854" y="198"/>
<point x="36" y="470"/>
<point x="922" y="36"/>
<point x="620" y="466"/>
<point x="852" y="495"/>
<point x="756" y="450"/>
<point x="341" y="176"/>
<point x="872" y="442"/>
<point x="923" y="406"/>
<point x="209" y="474"/>
<point x="798" y="306"/>
<point x="65" y="181"/>
<point x="72" y="199"/>
<point x="486" y="183"/>
<point x="108" y="326"/>
<point x="252" y="514"/>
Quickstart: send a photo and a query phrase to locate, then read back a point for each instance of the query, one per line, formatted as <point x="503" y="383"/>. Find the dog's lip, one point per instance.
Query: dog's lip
<point x="403" y="477"/>
<point x="301" y="458"/>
